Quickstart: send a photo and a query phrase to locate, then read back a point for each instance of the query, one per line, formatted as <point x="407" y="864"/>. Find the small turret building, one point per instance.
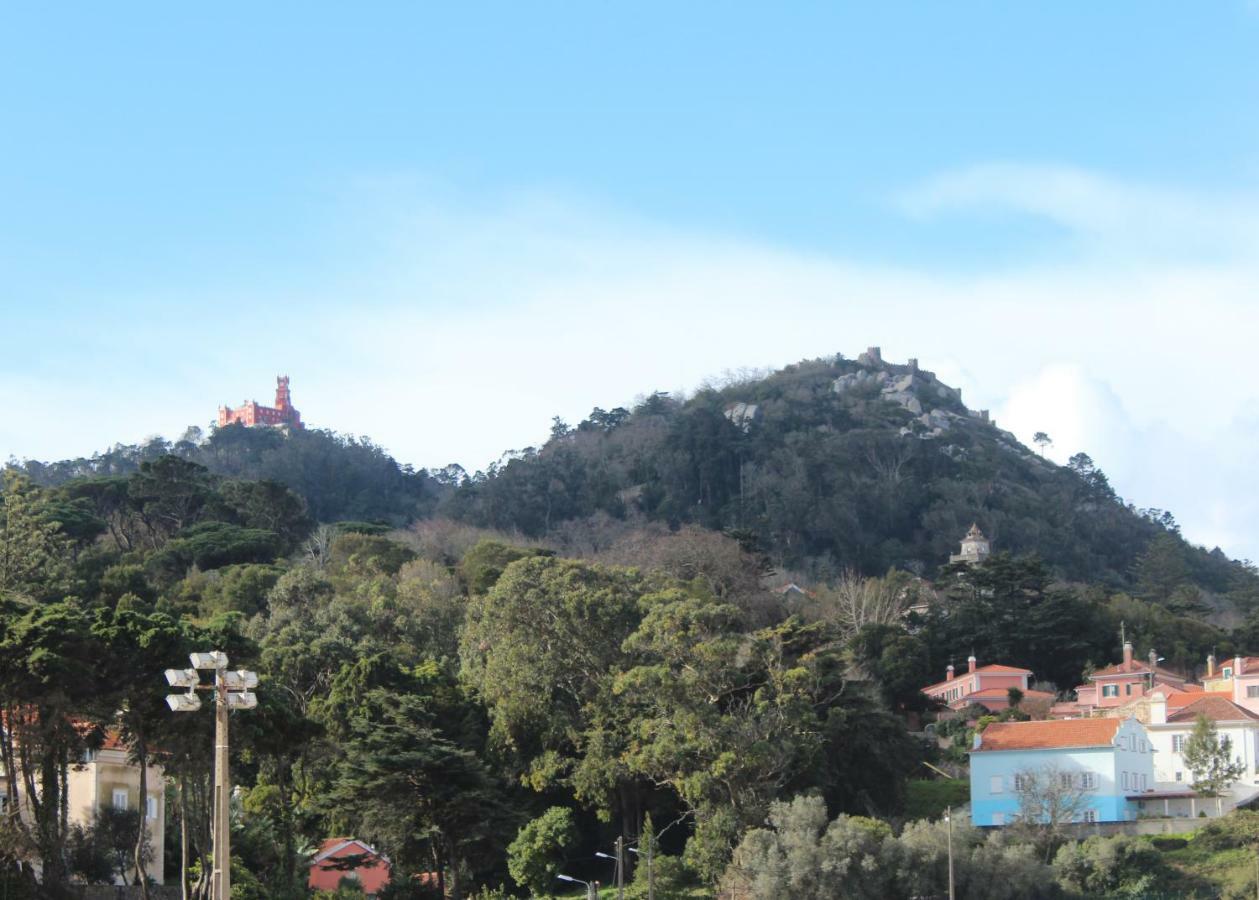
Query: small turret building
<point x="975" y="547"/>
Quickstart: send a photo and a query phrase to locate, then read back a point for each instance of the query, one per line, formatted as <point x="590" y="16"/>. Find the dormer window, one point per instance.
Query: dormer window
<point x="1227" y="671"/>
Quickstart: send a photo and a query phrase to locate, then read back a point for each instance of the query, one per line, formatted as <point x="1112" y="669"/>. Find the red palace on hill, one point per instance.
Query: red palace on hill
<point x="250" y="413"/>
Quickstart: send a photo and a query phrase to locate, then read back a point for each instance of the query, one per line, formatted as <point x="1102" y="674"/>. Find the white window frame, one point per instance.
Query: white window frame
<point x="1088" y="781"/>
<point x="150" y="808"/>
<point x="1178" y="743"/>
<point x="121" y="799"/>
<point x="1090" y="815"/>
<point x="1123" y="781"/>
<point x="1110" y="690"/>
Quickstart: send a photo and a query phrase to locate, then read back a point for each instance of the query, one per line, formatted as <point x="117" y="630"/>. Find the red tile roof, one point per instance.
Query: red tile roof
<point x="1136" y="667"/>
<point x="1052" y="733"/>
<point x="1217" y="709"/>
<point x="1010" y="670"/>
<point x="1178" y="699"/>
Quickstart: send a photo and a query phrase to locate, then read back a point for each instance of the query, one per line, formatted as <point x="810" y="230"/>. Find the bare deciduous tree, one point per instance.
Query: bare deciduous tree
<point x="1051" y="798"/>
<point x="854" y="602"/>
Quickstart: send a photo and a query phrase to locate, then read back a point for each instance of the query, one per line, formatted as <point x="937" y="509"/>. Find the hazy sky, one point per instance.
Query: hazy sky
<point x="448" y="223"/>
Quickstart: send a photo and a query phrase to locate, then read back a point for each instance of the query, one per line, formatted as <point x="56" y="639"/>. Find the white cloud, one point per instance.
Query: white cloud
<point x="471" y="327"/>
<point x="1106" y="214"/>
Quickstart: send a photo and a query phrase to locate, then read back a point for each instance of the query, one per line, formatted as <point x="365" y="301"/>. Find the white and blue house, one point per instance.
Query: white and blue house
<point x="1111" y="761"/>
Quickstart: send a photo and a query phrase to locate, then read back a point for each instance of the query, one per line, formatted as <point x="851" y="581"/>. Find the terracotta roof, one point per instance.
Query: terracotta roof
<point x="1136" y="667"/>
<point x="1009" y="670"/>
<point x="1217" y="709"/>
<point x="1179" y="699"/>
<point x="1049" y="734"/>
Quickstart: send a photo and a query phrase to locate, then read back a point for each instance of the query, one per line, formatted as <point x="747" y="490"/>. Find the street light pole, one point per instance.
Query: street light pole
<point x="948" y="817"/>
<point x="221" y="883"/>
<point x="232" y="690"/>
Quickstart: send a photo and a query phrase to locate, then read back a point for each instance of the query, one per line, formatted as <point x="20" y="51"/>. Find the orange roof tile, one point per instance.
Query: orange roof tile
<point x="1217" y="709"/>
<point x="1178" y="699"/>
<point x="1136" y="667"/>
<point x="1052" y="733"/>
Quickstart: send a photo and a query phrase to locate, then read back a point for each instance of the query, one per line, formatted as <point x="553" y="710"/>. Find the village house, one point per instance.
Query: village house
<point x="1238" y="677"/>
<point x="1238" y="728"/>
<point x="107" y="778"/>
<point x="1110" y="762"/>
<point x="988" y="686"/>
<point x="1117" y="685"/>
<point x="348" y="858"/>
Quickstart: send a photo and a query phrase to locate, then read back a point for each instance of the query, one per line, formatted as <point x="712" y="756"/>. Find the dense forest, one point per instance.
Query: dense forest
<point x="493" y="676"/>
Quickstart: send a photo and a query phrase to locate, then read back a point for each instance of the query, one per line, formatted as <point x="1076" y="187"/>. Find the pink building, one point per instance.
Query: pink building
<point x="1121" y="683"/>
<point x="987" y="686"/>
<point x="1239" y="677"/>
<point x="340" y="858"/>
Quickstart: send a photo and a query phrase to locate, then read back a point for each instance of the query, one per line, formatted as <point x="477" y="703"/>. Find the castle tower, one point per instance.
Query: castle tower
<point x="282" y="398"/>
<point x="975" y="547"/>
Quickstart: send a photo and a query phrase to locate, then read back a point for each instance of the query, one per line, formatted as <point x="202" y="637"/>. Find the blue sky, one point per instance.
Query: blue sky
<point x="450" y="222"/>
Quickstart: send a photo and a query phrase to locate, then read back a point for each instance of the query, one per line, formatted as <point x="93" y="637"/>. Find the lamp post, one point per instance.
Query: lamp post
<point x="232" y="690"/>
<point x="651" y="882"/>
<point x="590" y="888"/>
<point x="619" y="859"/>
<point x="948" y="818"/>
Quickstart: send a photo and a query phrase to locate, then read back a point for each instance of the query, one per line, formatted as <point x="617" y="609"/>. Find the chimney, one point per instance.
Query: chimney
<point x="1237" y="666"/>
<point x="1153" y="659"/>
<point x="950" y="672"/>
<point x="1210" y="665"/>
<point x="1158" y="709"/>
<point x="1127" y="653"/>
<point x="970" y="662"/>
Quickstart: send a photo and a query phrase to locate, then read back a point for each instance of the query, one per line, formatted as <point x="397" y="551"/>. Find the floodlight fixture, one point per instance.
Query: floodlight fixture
<point x="184" y="678"/>
<point x="215" y="659"/>
<point x="183" y="702"/>
<point x="602" y="855"/>
<point x="241" y="680"/>
<point x="242" y="700"/>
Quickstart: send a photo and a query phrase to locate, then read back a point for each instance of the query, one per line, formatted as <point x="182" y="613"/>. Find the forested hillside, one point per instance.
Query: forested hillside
<point x="821" y="467"/>
<point x="491" y="677"/>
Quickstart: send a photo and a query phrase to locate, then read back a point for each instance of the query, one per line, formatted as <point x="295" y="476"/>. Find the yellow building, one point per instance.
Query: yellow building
<point x="106" y="778"/>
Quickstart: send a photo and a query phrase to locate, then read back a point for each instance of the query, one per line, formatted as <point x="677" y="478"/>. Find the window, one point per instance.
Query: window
<point x="1180" y="776"/>
<point x="1252" y="691"/>
<point x="1226" y="742"/>
<point x="1178" y="743"/>
<point x="1110" y="690"/>
<point x="1227" y="671"/>
<point x="1123" y="780"/>
<point x="1144" y="782"/>
<point x="998" y="818"/>
<point x="1088" y="781"/>
<point x="1020" y="782"/>
<point x="150" y="808"/>
<point x="996" y="784"/>
<point x="1127" y="689"/>
<point x="1090" y="815"/>
<point x="1143" y="745"/>
<point x="120" y="798"/>
<point x="1065" y="779"/>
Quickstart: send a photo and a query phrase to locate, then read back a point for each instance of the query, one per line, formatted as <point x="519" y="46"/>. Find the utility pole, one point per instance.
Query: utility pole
<point x="948" y="817"/>
<point x="620" y="868"/>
